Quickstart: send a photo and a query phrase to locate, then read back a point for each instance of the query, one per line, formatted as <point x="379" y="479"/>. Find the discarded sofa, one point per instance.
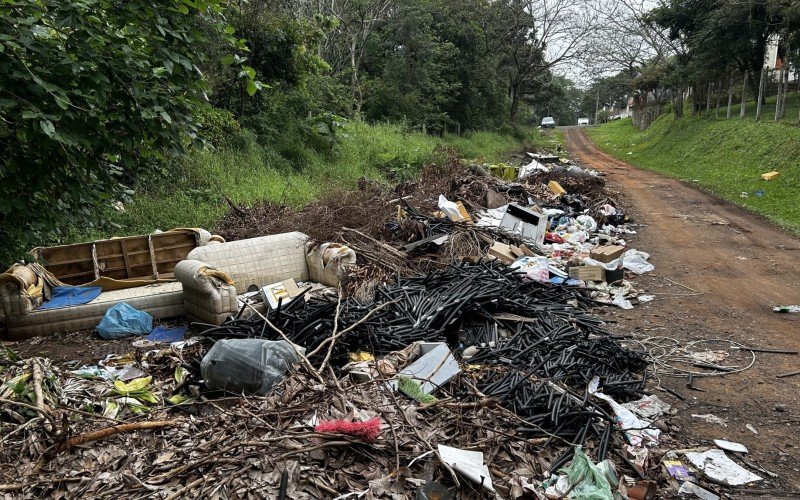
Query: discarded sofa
<point x="137" y="270"/>
<point x="214" y="276"/>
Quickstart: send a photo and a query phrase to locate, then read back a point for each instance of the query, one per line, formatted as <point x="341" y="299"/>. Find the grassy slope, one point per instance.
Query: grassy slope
<point x="726" y="157"/>
<point x="257" y="174"/>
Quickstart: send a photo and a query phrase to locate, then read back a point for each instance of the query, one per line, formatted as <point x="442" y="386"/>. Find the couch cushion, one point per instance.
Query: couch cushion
<point x="258" y="261"/>
<point x="162" y="300"/>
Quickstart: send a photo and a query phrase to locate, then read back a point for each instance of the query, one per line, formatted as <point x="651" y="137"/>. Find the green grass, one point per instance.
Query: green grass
<point x="725" y="157"/>
<point x="194" y="196"/>
<point x="792" y="113"/>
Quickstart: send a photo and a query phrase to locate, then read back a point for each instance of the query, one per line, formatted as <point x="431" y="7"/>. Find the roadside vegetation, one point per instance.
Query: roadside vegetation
<point x="195" y="191"/>
<point x="257" y="101"/>
<point x="724" y="157"/>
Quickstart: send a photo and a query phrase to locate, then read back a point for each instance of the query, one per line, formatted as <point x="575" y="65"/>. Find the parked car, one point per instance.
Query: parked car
<point x="548" y="122"/>
<point x="583" y="121"/>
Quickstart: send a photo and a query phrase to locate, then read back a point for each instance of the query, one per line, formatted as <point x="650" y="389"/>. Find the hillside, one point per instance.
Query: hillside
<point x="725" y="157"/>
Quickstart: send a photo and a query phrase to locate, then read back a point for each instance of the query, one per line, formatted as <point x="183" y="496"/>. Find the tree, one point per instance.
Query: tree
<point x="356" y="20"/>
<point x="89" y="89"/>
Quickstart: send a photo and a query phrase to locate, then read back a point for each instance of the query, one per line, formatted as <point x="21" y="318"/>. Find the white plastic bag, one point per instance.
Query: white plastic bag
<point x="636" y="261"/>
<point x="450" y="209"/>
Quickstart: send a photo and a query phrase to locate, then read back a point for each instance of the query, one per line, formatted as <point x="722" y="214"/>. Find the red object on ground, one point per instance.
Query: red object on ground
<point x="553" y="238"/>
<point x="368" y="430"/>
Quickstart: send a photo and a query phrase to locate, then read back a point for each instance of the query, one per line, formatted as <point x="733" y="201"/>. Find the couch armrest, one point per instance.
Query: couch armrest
<point x="15" y="302"/>
<point x="326" y="262"/>
<point x="209" y="295"/>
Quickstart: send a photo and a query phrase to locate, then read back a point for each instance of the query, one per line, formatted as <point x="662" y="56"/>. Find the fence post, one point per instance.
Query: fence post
<point x="761" y="83"/>
<point x="719" y="93"/>
<point x="778" y="96"/>
<point x="785" y="90"/>
<point x="458" y="128"/>
<point x="744" y="96"/>
<point x="730" y="96"/>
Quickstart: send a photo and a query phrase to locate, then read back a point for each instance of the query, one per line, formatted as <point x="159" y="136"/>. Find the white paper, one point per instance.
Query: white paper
<point x="468" y="463"/>
<point x="718" y="467"/>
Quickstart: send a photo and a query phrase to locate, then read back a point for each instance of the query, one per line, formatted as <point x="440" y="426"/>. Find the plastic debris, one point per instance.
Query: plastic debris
<point x="368" y="430"/>
<point x="167" y="335"/>
<point x="583" y="480"/>
<point x="247" y="365"/>
<point x="716" y="465"/>
<point x="786" y="309"/>
<point x="689" y="488"/>
<point x="730" y="446"/>
<point x="122" y="320"/>
<point x="712" y="419"/>
<point x="468" y="463"/>
<point x="648" y="407"/>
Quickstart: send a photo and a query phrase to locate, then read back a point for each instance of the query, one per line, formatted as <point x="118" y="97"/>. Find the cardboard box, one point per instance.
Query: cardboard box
<point x="502" y="252"/>
<point x="284" y="291"/>
<point x="527" y="251"/>
<point x="770" y="175"/>
<point x="607" y="253"/>
<point x="556" y="188"/>
<point x="587" y="273"/>
<point x="517" y="251"/>
<point x="526" y="222"/>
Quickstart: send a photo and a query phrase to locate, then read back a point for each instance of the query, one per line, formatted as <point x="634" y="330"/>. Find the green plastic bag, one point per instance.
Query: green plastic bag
<point x="592" y="483"/>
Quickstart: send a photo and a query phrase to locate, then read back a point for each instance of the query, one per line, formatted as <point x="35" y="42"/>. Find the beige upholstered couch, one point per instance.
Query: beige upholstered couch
<point x="161" y="300"/>
<point x="212" y="276"/>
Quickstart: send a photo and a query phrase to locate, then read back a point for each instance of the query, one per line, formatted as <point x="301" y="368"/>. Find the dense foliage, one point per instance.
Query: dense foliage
<point x="100" y="100"/>
<point x="91" y="91"/>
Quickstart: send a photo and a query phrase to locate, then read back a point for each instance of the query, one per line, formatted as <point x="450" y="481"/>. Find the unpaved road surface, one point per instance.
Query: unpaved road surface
<point x="740" y="267"/>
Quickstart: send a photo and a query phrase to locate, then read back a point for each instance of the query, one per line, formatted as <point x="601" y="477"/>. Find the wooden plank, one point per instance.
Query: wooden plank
<point x="124" y="248"/>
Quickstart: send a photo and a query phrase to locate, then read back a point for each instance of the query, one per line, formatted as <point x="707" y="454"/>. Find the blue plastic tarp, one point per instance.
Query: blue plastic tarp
<point x="164" y="334"/>
<point x="122" y="320"/>
<point x="67" y="296"/>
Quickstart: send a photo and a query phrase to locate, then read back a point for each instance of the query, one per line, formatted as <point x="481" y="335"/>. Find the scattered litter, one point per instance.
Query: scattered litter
<point x="645" y="298"/>
<point x="786" y="309"/>
<point x="435" y="366"/>
<point x="167" y="335"/>
<point x="690" y="488"/>
<point x="751" y="429"/>
<point x="770" y="175"/>
<point x="676" y="469"/>
<point x="648" y="407"/>
<point x="468" y="463"/>
<point x="122" y="320"/>
<point x="716" y="465"/>
<point x="584" y="480"/>
<point x="368" y="430"/>
<point x="712" y="419"/>
<point x="730" y="446"/>
<point x="250" y="366"/>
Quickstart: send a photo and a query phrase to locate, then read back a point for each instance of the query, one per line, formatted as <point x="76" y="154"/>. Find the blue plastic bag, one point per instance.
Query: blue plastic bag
<point x="122" y="321"/>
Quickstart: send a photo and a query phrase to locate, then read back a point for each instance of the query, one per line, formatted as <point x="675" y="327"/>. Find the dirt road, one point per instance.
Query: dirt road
<point x="740" y="266"/>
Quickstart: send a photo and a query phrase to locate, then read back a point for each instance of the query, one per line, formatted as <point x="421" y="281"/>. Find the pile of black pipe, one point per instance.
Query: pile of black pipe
<point x="540" y="346"/>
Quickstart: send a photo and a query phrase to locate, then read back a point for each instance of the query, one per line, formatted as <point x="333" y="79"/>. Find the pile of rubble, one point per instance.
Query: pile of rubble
<point x="458" y="354"/>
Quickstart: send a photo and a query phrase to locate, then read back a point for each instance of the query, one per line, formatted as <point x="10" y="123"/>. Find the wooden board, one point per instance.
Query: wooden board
<point x="131" y="257"/>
